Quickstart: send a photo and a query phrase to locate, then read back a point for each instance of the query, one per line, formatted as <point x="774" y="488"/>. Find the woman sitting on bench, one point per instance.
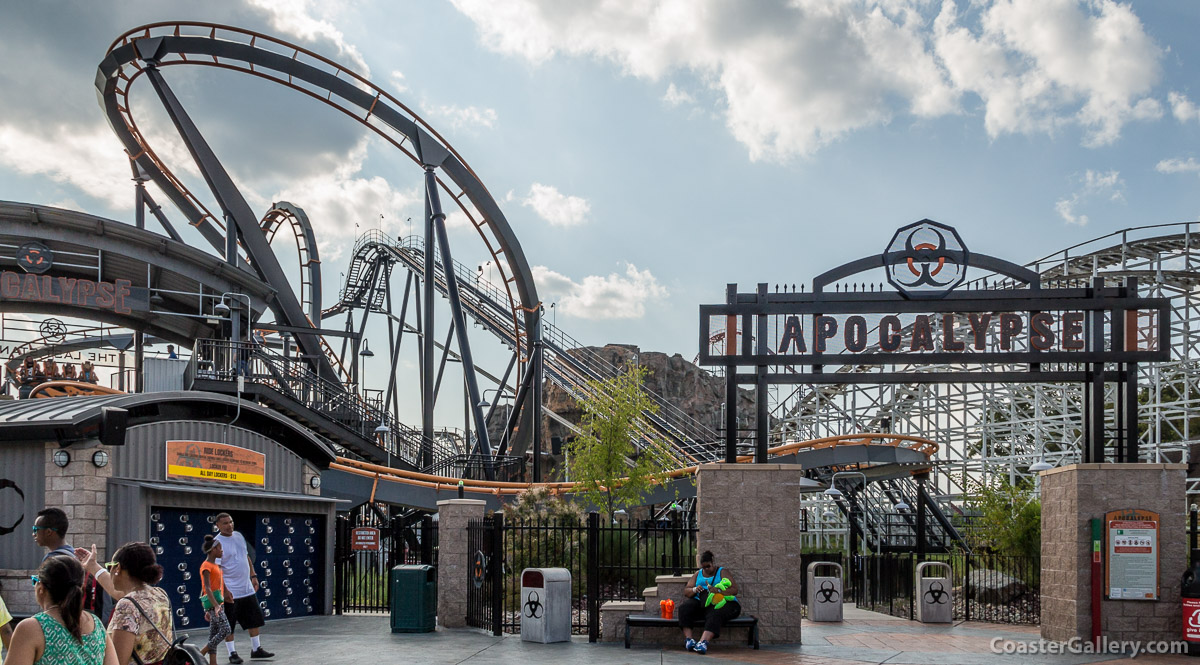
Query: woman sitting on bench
<point x="709" y="580"/>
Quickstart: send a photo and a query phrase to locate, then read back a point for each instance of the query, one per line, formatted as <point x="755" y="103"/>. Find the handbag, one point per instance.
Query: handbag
<point x="178" y="652"/>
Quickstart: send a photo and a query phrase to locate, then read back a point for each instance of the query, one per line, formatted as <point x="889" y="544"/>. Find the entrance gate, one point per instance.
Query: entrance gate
<point x="362" y="568"/>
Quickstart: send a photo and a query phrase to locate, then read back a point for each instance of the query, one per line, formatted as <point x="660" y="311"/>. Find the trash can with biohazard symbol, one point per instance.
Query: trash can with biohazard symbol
<point x="1191" y="608"/>
<point x="546" y="605"/>
<point x="825" y="592"/>
<point x="935" y="600"/>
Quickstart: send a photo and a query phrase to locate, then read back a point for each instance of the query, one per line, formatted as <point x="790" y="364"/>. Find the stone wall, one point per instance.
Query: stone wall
<point x="81" y="490"/>
<point x="453" y="573"/>
<point x="749" y="516"/>
<point x="1073" y="495"/>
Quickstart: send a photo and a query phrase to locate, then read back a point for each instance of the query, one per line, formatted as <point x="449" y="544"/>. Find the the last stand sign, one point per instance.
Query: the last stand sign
<point x="1009" y="332"/>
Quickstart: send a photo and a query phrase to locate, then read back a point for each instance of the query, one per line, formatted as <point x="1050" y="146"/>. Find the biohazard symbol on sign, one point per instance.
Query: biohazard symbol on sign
<point x="827" y="593"/>
<point x="926" y="260"/>
<point x="936" y="594"/>
<point x="35" y="257"/>
<point x="478" y="569"/>
<point x="533" y="606"/>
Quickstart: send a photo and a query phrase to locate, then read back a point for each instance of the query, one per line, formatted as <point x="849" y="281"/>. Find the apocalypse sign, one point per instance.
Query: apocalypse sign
<point x="933" y="315"/>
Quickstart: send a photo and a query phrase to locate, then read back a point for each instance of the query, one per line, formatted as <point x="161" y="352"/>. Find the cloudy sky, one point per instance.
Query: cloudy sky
<point x="647" y="152"/>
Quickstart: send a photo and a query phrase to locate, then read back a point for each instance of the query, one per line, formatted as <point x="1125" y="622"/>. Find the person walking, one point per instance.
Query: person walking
<point x="50" y="532"/>
<point x="141" y="607"/>
<point x="6" y="629"/>
<point x="703" y="582"/>
<point x="212" y="598"/>
<point x="62" y="633"/>
<point x="241" y="583"/>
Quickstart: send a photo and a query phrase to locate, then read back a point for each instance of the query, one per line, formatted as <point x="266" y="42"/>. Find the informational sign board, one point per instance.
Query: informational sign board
<point x="207" y="461"/>
<point x="364" y="538"/>
<point x="1131" y="567"/>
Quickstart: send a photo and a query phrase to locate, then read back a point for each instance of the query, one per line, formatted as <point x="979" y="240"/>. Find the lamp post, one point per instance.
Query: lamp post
<point x="835" y="494"/>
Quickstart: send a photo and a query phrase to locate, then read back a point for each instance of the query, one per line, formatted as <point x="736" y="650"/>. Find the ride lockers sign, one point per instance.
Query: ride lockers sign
<point x="207" y="461"/>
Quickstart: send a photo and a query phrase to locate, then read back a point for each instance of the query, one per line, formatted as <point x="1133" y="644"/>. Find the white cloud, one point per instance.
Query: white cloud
<point x="1177" y="165"/>
<point x="462" y="117"/>
<point x="335" y="201"/>
<point x="798" y="74"/>
<point x="674" y="96"/>
<point x="557" y="208"/>
<point x="310" y="21"/>
<point x="614" y="296"/>
<point x="397" y="82"/>
<point x="1095" y="185"/>
<point x="1182" y="108"/>
<point x="92" y="161"/>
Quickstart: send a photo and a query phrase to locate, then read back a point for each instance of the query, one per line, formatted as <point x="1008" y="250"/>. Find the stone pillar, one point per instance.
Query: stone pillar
<point x="1073" y="495"/>
<point x="81" y="490"/>
<point x="453" y="563"/>
<point x="749" y="516"/>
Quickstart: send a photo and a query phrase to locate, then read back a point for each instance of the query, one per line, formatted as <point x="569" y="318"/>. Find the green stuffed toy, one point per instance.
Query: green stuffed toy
<point x="716" y="596"/>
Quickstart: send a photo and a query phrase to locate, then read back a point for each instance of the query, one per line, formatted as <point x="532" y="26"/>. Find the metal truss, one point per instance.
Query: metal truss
<point x="988" y="429"/>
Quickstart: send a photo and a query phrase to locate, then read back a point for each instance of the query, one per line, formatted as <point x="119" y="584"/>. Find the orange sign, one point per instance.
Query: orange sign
<point x="215" y="462"/>
<point x="364" y="538"/>
<point x="1131" y="567"/>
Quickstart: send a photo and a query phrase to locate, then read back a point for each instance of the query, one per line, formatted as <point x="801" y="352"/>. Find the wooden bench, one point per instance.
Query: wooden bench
<point x="648" y="621"/>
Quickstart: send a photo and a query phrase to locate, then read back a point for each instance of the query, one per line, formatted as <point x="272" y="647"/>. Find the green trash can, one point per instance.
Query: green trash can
<point x="413" y="599"/>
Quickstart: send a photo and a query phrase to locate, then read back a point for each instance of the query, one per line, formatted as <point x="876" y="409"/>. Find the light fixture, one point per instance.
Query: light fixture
<point x="1040" y="466"/>
<point x="157" y="299"/>
<point x="221" y="308"/>
<point x="382" y="429"/>
<point x="483" y="403"/>
<point x="828" y="515"/>
<point x="61" y="458"/>
<point x="367" y="352"/>
<point x="833" y="493"/>
<point x="903" y="506"/>
<point x="100" y="459"/>
<point x="315" y="482"/>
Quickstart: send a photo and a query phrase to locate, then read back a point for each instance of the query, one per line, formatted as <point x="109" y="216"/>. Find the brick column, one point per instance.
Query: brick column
<point x="1073" y="495"/>
<point x="81" y="490"/>
<point x="749" y="516"/>
<point x="453" y="568"/>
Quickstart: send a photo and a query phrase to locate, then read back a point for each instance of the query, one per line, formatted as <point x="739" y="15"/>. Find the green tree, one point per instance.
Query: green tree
<point x="612" y="471"/>
<point x="1009" y="517"/>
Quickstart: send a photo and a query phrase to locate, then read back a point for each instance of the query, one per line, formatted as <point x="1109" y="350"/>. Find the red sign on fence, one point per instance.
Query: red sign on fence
<point x="364" y="538"/>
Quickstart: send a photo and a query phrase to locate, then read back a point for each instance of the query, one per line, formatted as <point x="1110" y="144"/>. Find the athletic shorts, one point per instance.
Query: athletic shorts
<point x="245" y="612"/>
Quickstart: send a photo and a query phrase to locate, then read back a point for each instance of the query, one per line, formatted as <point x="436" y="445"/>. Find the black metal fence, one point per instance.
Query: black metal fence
<point x="987" y="587"/>
<point x="361" y="576"/>
<point x="606" y="561"/>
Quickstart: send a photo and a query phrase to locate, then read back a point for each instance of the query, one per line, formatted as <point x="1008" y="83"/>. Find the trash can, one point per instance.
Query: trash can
<point x="935" y="602"/>
<point x="824" y="592"/>
<point x="1190" y="594"/>
<point x="413" y="599"/>
<point x="545" y="605"/>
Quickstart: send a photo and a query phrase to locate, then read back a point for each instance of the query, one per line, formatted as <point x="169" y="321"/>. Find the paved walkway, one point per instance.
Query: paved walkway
<point x="864" y="638"/>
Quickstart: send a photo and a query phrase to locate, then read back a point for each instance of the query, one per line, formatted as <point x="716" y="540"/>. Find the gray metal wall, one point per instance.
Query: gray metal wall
<point x="25" y="465"/>
<point x="134" y="502"/>
<point x="144" y="455"/>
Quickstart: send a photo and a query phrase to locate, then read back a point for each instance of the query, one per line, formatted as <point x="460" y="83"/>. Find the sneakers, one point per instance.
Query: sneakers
<point x="689" y="645"/>
<point x="261" y="653"/>
<point x="701" y="647"/>
<point x="235" y="659"/>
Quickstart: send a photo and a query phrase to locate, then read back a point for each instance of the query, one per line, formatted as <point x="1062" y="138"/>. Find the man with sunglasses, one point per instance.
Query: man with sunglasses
<point x="50" y="532"/>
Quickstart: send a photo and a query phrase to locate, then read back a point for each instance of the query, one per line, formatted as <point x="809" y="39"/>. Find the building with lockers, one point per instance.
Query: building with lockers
<point x="179" y="458"/>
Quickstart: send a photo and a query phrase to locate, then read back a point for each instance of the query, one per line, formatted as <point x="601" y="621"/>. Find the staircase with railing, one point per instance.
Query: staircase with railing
<point x="568" y="363"/>
<point x="288" y="384"/>
<point x="886" y="528"/>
